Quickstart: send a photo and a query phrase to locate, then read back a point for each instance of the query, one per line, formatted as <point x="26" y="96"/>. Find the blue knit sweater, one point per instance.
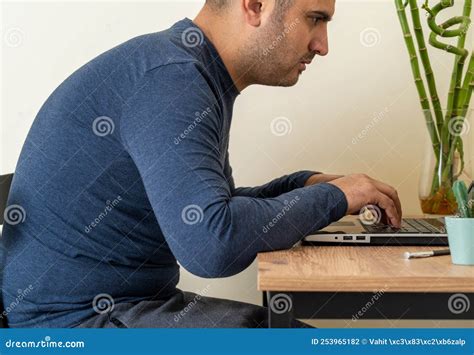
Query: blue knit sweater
<point x="125" y="172"/>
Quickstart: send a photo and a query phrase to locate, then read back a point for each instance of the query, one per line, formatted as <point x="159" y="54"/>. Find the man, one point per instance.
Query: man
<point x="126" y="171"/>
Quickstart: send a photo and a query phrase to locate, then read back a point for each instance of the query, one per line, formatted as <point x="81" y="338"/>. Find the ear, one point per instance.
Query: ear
<point x="252" y="11"/>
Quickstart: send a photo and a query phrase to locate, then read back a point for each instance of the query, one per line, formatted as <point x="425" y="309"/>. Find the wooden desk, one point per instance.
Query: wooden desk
<point x="363" y="282"/>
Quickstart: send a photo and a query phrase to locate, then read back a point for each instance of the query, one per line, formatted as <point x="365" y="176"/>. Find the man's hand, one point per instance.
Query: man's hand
<point x="318" y="178"/>
<point x="361" y="190"/>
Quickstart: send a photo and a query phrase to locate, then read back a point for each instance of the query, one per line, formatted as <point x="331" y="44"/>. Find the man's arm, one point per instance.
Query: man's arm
<point x="274" y="188"/>
<point x="319" y="178"/>
<point x="280" y="185"/>
<point x="277" y="186"/>
<point x="209" y="231"/>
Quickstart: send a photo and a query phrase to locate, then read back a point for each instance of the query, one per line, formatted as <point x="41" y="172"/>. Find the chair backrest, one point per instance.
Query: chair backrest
<point x="5" y="183"/>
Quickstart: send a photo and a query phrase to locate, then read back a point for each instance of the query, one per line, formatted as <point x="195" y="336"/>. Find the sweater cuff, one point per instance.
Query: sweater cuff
<point x="302" y="177"/>
<point x="339" y="206"/>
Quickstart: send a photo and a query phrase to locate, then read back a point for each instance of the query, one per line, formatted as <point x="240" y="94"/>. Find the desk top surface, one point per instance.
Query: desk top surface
<point x="360" y="268"/>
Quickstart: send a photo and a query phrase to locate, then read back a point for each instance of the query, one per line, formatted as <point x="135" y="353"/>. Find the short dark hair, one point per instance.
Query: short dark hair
<point x="281" y="5"/>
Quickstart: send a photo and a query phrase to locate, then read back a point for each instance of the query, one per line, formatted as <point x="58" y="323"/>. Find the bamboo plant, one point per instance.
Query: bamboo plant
<point x="444" y="127"/>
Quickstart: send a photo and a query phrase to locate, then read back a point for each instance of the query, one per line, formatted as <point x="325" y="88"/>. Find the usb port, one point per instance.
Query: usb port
<point x="348" y="237"/>
<point x="360" y="237"/>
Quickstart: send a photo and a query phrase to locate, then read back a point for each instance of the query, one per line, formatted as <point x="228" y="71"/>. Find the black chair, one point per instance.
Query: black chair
<point x="5" y="183"/>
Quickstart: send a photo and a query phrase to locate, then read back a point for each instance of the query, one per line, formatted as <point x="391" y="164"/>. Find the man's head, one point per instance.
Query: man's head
<point x="219" y="5"/>
<point x="273" y="40"/>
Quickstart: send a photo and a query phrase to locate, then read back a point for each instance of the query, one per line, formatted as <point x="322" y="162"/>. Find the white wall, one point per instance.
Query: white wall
<point x="43" y="42"/>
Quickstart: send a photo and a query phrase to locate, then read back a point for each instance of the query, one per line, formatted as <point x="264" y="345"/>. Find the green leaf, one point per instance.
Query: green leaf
<point x="460" y="191"/>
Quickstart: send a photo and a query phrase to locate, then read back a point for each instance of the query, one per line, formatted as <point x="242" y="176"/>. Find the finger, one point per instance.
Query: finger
<point x="385" y="202"/>
<point x="390" y="192"/>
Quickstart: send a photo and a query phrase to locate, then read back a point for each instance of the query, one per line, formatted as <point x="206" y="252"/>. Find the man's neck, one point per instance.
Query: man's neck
<point x="226" y="43"/>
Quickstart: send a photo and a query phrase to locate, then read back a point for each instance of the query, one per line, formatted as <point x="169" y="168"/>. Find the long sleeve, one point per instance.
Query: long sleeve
<point x="273" y="188"/>
<point x="211" y="232"/>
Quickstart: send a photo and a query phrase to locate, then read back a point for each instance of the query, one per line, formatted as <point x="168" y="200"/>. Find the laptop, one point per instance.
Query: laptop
<point x="353" y="230"/>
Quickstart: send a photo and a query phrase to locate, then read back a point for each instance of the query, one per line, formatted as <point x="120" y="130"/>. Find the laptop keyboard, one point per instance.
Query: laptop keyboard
<point x="409" y="225"/>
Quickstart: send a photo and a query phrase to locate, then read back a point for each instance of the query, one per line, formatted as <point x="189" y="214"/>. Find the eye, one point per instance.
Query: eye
<point x="315" y="20"/>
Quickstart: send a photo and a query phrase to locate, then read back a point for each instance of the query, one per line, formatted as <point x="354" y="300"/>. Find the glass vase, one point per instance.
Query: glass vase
<point x="441" y="170"/>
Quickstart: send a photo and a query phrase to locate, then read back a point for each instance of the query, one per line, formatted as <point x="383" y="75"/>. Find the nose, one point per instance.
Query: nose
<point x="319" y="44"/>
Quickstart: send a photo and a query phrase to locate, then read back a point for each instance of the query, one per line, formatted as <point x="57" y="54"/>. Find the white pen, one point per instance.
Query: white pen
<point x="426" y="254"/>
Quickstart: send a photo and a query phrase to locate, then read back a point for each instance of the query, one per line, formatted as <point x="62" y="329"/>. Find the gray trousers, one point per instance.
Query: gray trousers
<point x="184" y="310"/>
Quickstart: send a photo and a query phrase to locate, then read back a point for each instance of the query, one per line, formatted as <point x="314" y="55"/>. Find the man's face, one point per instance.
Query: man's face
<point x="283" y="46"/>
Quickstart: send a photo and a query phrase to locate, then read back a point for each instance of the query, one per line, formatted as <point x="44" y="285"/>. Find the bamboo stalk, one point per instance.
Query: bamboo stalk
<point x="445" y="143"/>
<point x="423" y="50"/>
<point x="453" y="108"/>
<point x="445" y="136"/>
<point x="456" y="81"/>
<point x="416" y="73"/>
<point x="460" y="96"/>
<point x="467" y="87"/>
<point x="461" y="52"/>
<point x="443" y="31"/>
<point x="460" y="148"/>
<point x="455" y="87"/>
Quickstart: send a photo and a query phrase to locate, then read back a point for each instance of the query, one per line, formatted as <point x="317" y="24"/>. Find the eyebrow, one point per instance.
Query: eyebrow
<point x="324" y="15"/>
